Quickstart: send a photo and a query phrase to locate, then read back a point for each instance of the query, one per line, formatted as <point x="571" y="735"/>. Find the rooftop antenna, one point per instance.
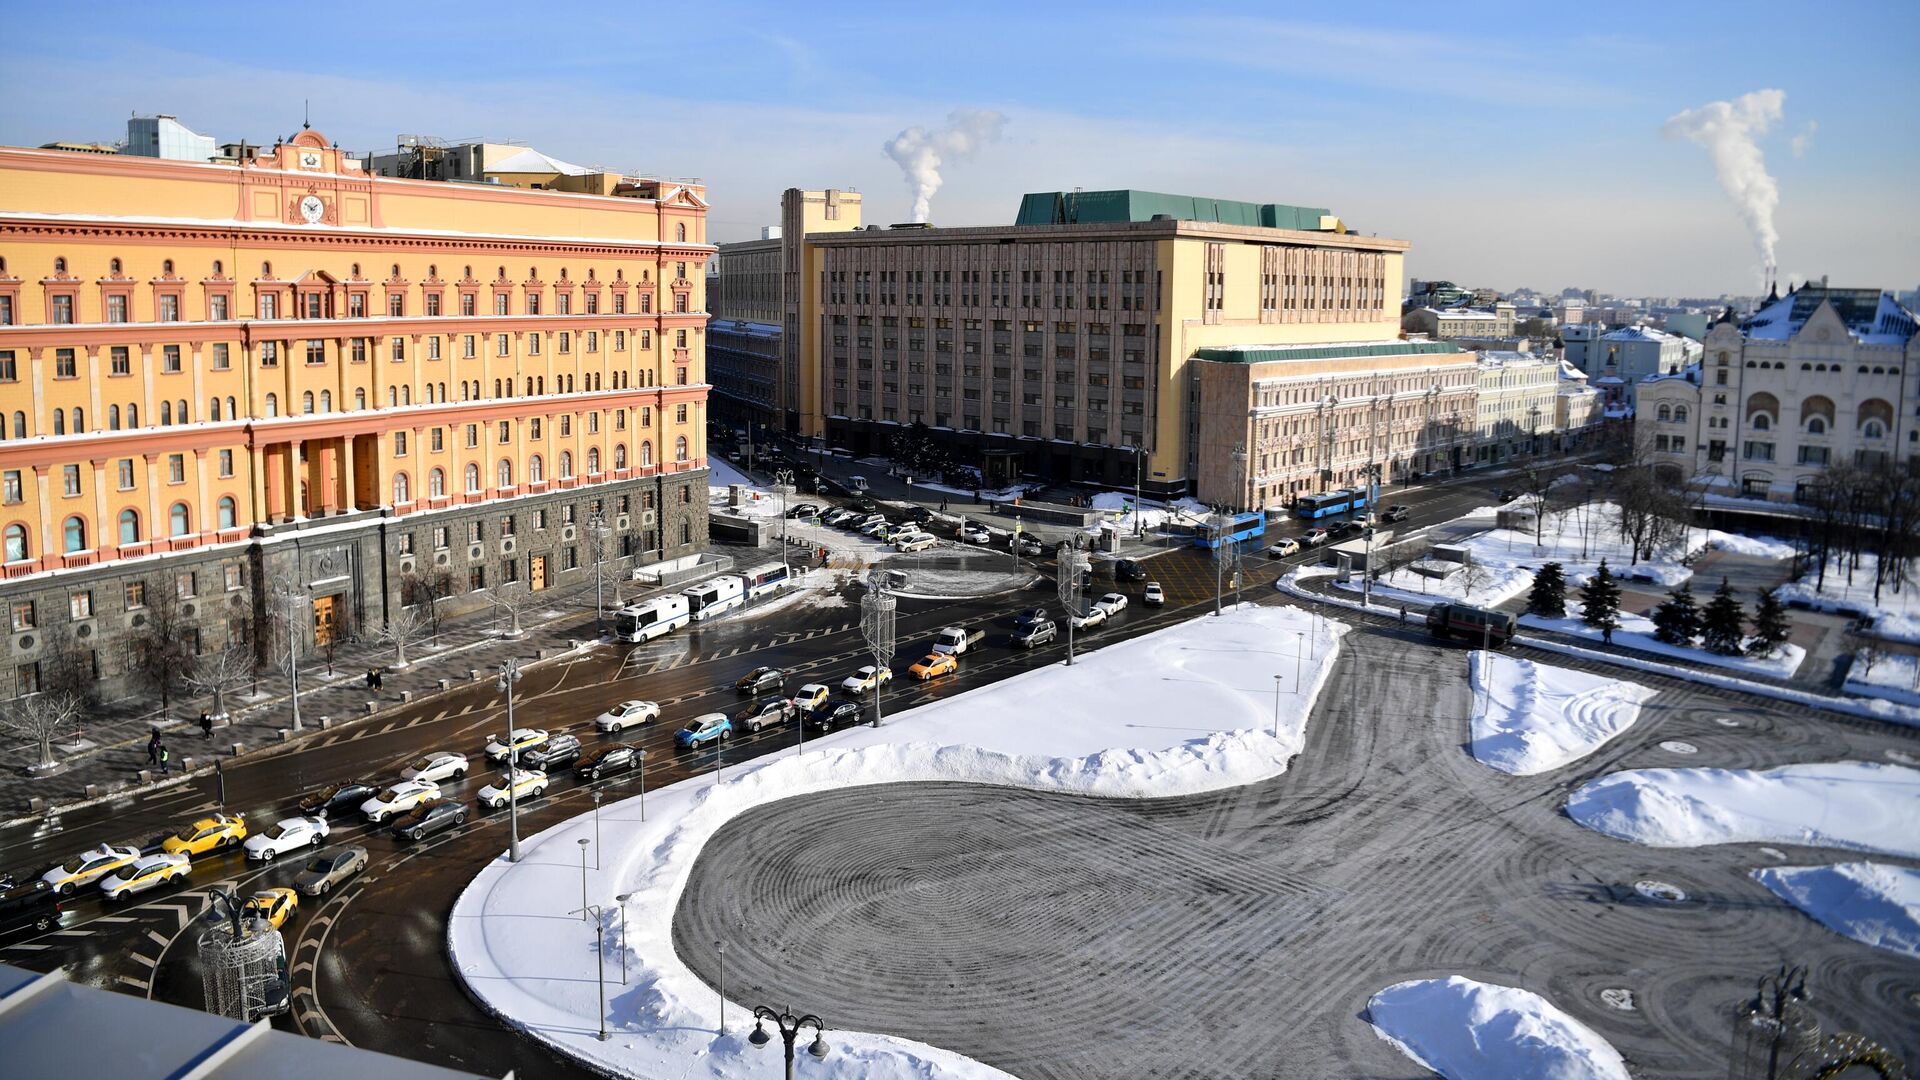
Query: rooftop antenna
<point x="306" y="114"/>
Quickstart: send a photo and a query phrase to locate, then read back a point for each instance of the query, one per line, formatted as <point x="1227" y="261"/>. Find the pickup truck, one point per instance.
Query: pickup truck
<point x="956" y="640"/>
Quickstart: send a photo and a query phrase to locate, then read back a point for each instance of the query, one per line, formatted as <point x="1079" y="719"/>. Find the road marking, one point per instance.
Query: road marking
<point x="441" y="715"/>
<point x="157" y="938"/>
<point x="71" y="933"/>
<point x="151" y="964"/>
<point x="136" y="983"/>
<point x="307" y="964"/>
<point x="30" y="947"/>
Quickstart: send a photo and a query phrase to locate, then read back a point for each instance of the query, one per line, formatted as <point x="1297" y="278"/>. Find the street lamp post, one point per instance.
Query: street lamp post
<point x="642" y="756"/>
<point x="1071" y="564"/>
<point x="596" y="913"/>
<point x="789" y="1027"/>
<point x="1137" y="530"/>
<point x="509" y="675"/>
<point x="597" y="528"/>
<point x="877" y="613"/>
<point x="1299" y="646"/>
<point x="623" y="898"/>
<point x="583" y="876"/>
<point x="597" y="796"/>
<point x="721" y="948"/>
<point x="1276" y="706"/>
<point x="783" y="486"/>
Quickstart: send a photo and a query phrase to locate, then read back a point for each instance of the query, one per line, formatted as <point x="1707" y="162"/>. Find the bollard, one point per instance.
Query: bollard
<point x="93" y="791"/>
<point x="36" y="805"/>
<point x="238" y="749"/>
<point x="473" y="674"/>
<point x="285" y="734"/>
<point x="372" y="707"/>
<point x="326" y="722"/>
<point x="146" y="776"/>
<point x="186" y="765"/>
<point x="406" y="697"/>
<point x="446" y="684"/>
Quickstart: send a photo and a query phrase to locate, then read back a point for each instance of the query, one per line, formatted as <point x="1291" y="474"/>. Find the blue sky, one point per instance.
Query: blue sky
<point x="1513" y="145"/>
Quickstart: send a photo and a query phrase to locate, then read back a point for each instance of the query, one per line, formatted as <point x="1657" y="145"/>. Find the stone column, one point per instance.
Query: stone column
<point x="101" y="524"/>
<point x="153" y="497"/>
<point x="351" y="498"/>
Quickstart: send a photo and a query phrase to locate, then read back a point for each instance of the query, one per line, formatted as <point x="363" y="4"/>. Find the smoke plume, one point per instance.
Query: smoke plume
<point x="920" y="153"/>
<point x="1730" y="130"/>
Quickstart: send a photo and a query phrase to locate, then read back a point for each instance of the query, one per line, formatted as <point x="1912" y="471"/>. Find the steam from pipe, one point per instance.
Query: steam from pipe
<point x="1730" y="130"/>
<point x="920" y="153"/>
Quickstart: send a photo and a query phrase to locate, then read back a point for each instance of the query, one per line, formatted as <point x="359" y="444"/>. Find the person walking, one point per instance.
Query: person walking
<point x="379" y="680"/>
<point x="153" y="748"/>
<point x="206" y="724"/>
<point x="1606" y="634"/>
<point x="166" y="760"/>
<point x="368" y="677"/>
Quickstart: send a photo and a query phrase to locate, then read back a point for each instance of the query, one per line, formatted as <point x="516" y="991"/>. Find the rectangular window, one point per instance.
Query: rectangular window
<point x="222" y="357"/>
<point x="466" y="304"/>
<point x="184" y="586"/>
<point x="269" y="354"/>
<point x="316" y="351"/>
<point x="126" y="474"/>
<point x="562" y="304"/>
<point x="23" y="615"/>
<point x="435" y="437"/>
<point x="539" y="518"/>
<point x="233" y="578"/>
<point x="499" y="303"/>
<point x="440" y="538"/>
<point x="312" y="303"/>
<point x="399" y="348"/>
<point x="433" y="348"/>
<point x="399" y="444"/>
<point x="433" y="303"/>
<point x="169" y="308"/>
<point x="176" y="468"/>
<point x="570" y="557"/>
<point x="70" y="479"/>
<point x="620" y="303"/>
<point x="170" y="358"/>
<point x="396" y="305"/>
<point x="533" y="303"/>
<point x="217" y="307"/>
<point x="136" y="595"/>
<point x="506" y="525"/>
<point x="6" y="311"/>
<point x="63" y="309"/>
<point x="475" y="532"/>
<point x="10" y="489"/>
<point x="501" y="345"/>
<point x="356" y="305"/>
<point x="116" y="309"/>
<point x="566" y="342"/>
<point x="467" y="347"/>
<point x="476" y="578"/>
<point x="9" y="368"/>
<point x="63" y="364"/>
<point x="226" y="463"/>
<point x="473" y="436"/>
<point x="403" y="544"/>
<point x="269" y="306"/>
<point x="506" y="432"/>
<point x="80" y="604"/>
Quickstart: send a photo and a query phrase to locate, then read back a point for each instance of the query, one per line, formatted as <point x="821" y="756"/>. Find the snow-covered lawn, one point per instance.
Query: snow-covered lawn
<point x="1896" y="678"/>
<point x="1538" y="717"/>
<point x="1467" y="1030"/>
<point x="1636" y="632"/>
<point x="1187" y="709"/>
<point x="1873" y="903"/>
<point x="1857" y="805"/>
<point x="1897" y="615"/>
<point x="1151" y="514"/>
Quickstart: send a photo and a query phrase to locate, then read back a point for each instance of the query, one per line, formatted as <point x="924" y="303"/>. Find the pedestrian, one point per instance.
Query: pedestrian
<point x="206" y="724"/>
<point x="379" y="679"/>
<point x="368" y="678"/>
<point x="1606" y="634"/>
<point x="153" y="748"/>
<point x="166" y="759"/>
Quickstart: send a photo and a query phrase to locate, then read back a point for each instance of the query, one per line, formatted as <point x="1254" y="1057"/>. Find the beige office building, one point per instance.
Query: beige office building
<point x="1516" y="404"/>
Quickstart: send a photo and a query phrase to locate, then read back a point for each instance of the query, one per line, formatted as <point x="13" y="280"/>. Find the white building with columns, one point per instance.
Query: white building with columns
<point x="1517" y="402"/>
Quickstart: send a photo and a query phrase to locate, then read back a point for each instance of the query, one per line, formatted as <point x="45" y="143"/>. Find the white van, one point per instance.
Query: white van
<point x="713" y="598"/>
<point x="857" y="483"/>
<point x="652" y="618"/>
<point x="914" y="542"/>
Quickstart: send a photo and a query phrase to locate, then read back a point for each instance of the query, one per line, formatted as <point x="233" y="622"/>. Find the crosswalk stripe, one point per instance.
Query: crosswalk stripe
<point x="137" y="984"/>
<point x="157" y="938"/>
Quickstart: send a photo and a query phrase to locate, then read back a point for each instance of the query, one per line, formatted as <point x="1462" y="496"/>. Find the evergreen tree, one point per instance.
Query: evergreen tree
<point x="1723" y="624"/>
<point x="1677" y="620"/>
<point x="1600" y="600"/>
<point x="1549" y="595"/>
<point x="1769" y="625"/>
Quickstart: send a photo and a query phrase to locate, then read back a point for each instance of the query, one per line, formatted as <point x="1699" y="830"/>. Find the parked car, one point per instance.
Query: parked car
<point x="524" y="739"/>
<point x="1128" y="570"/>
<point x="398" y="799"/>
<point x="146" y="872"/>
<point x="329" y="869"/>
<point x="1153" y="597"/>
<point x="1095" y="616"/>
<point x="933" y="665"/>
<point x="271" y="906"/>
<point x="874" y="527"/>
<point x="1029" y="616"/>
<point x="608" y="759"/>
<point x="287" y="834"/>
<point x="764" y="713"/>
<point x="207" y="834"/>
<point x="761" y="679"/>
<point x="1314" y="537"/>
<point x="88" y="867"/>
<point x="839" y="517"/>
<point x="1396" y="512"/>
<point x="865" y="679"/>
<point x="1035" y="634"/>
<point x="1027" y="544"/>
<point x="810" y="695"/>
<point x="1112" y="603"/>
<point x="35" y="904"/>
<point x="526" y="784"/>
<point x="804" y="510"/>
<point x="975" y="533"/>
<point x="837" y="712"/>
<point x="437" y="766"/>
<point x="705" y="728"/>
<point x="429" y="818"/>
<point x="915" y="542"/>
<point x="919" y="514"/>
<point x="347" y="795"/>
<point x="559" y="752"/>
<point x="626" y="715"/>
<point x="1283" y="549"/>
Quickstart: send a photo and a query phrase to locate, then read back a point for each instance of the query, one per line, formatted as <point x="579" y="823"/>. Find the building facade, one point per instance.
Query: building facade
<point x="220" y="379"/>
<point x="1819" y="377"/>
<point x="167" y="138"/>
<point x="1516" y="403"/>
<point x="1449" y="323"/>
<point x="1577" y="405"/>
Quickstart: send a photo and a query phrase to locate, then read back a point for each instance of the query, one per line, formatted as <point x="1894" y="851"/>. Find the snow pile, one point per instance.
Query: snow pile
<point x="1529" y="718"/>
<point x="759" y="503"/>
<point x="1872" y="903"/>
<point x="1151" y="514"/>
<point x="1860" y="806"/>
<point x="1896" y="616"/>
<point x="1467" y="1030"/>
<point x="1187" y="709"/>
<point x="1636" y="632"/>
<point x="1895" y="678"/>
<point x="1759" y="547"/>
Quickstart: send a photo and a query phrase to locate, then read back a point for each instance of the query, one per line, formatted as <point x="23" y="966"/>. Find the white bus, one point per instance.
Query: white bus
<point x="762" y="580"/>
<point x="710" y="599"/>
<point x="651" y="619"/>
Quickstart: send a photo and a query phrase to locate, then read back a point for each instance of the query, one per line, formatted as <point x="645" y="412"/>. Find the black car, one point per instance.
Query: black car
<point x="343" y="797"/>
<point x="557" y="752"/>
<point x="866" y="505"/>
<point x="429" y="818"/>
<point x="803" y="510"/>
<point x="1129" y="570"/>
<point x="1029" y="617"/>
<point x="835" y="712"/>
<point x="764" y="713"/>
<point x="608" y="759"/>
<point x="920" y="514"/>
<point x="1345" y="530"/>
<point x="32" y="905"/>
<point x="761" y="678"/>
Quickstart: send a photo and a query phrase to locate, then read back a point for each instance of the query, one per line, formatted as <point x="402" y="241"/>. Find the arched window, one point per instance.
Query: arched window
<point x="436" y="483"/>
<point x="266" y="270"/>
<point x="326" y="401"/>
<point x="680" y="232"/>
<point x="593" y="461"/>
<point x="229" y="514"/>
<point x="536" y="469"/>
<point x="60" y="420"/>
<point x="16" y="543"/>
<point x="306" y="402"/>
<point x="680" y="448"/>
<point x="76" y="535"/>
<point x="233" y="413"/>
<point x="646" y="454"/>
<point x="177" y="519"/>
<point x="619" y="455"/>
<point x="133" y="415"/>
<point x="473" y="477"/>
<point x="113" y="418"/>
<point x="166" y="267"/>
<point x="401" y="492"/>
<point x="115" y="265"/>
<point x="406" y="395"/>
<point x="1680" y="413"/>
<point x="19" y="425"/>
<point x="1872" y="430"/>
<point x="1816" y="426"/>
<point x="79" y="421"/>
<point x="213" y="409"/>
<point x="505" y="473"/>
<point x="218" y="268"/>
<point x="273" y="405"/>
<point x="129" y="527"/>
<point x="566" y="464"/>
<point x="180" y="412"/>
<point x="1666" y="412"/>
<point x="59" y="266"/>
<point x="396" y="271"/>
<point x="360" y="398"/>
<point x="1760" y="422"/>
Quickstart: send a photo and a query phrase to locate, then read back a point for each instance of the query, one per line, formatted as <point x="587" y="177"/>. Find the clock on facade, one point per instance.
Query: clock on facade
<point x="313" y="209"/>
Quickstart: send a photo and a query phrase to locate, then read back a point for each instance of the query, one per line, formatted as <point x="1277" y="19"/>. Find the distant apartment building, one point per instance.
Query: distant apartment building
<point x="1571" y="311"/>
<point x="1447" y="324"/>
<point x="1577" y="405"/>
<point x="1819" y="377"/>
<point x="1515" y="403"/>
<point x="1616" y="360"/>
<point x="166" y="138"/>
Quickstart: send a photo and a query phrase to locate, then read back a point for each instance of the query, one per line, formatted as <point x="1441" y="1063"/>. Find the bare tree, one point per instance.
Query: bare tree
<point x="1867" y="650"/>
<point x="68" y="667"/>
<point x="512" y="598"/>
<point x="222" y="673"/>
<point x="1473" y="578"/>
<point x="425" y="589"/>
<point x="161" y="652"/>
<point x="404" y="626"/>
<point x="40" y="717"/>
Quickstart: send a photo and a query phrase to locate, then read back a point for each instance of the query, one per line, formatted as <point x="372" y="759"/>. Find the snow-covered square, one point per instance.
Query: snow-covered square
<point x="1529" y="718"/>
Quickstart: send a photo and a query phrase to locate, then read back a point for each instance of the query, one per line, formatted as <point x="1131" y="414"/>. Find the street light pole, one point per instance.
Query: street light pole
<point x="623" y="898"/>
<point x="597" y="914"/>
<point x="597" y="526"/>
<point x="721" y="948"/>
<point x="782" y="485"/>
<point x="583" y="876"/>
<point x="1137" y="530"/>
<point x="1276" y="706"/>
<point x="642" y="755"/>
<point x="509" y="675"/>
<point x="1299" y="646"/>
<point x="789" y="1027"/>
<point x="597" y="796"/>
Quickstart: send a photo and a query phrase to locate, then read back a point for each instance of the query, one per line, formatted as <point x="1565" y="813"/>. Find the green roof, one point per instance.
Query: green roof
<point x="1267" y="354"/>
<point x="1103" y="207"/>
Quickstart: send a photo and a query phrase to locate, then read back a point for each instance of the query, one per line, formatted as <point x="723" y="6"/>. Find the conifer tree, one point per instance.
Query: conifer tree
<point x="1723" y="624"/>
<point x="1549" y="595"/>
<point x="1770" y="627"/>
<point x="1677" y="620"/>
<point x="1600" y="600"/>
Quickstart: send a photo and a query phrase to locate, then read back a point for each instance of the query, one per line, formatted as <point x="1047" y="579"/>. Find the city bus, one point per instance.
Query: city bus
<point x="710" y="599"/>
<point x="1315" y="507"/>
<point x="762" y="580"/>
<point x="653" y="618"/>
<point x="1244" y="526"/>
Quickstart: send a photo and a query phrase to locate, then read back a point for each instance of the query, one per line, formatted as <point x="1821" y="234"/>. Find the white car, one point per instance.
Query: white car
<point x="810" y="696"/>
<point x="398" y="799"/>
<point x="145" y="873"/>
<point x="975" y="534"/>
<point x="88" y="867"/>
<point x="1095" y="616"/>
<point x="867" y="678"/>
<point x="1153" y="597"/>
<point x="437" y="766"/>
<point x="626" y="714"/>
<point x="286" y="835"/>
<point x="915" y="542"/>
<point x="523" y="739"/>
<point x="527" y="783"/>
<point x="1112" y="603"/>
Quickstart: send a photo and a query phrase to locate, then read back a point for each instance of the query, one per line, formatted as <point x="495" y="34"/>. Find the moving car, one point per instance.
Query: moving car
<point x="35" y="904"/>
<point x="1397" y="512"/>
<point x="627" y="714"/>
<point x="764" y="713"/>
<point x="286" y="835"/>
<point x="523" y="739"/>
<point x="146" y="872"/>
<point x="608" y="759"/>
<point x="705" y="728"/>
<point x="1313" y="538"/>
<point x="1027" y="544"/>
<point x="1284" y="548"/>
<point x="975" y="533"/>
<point x="437" y="766"/>
<point x="429" y="818"/>
<point x="933" y="665"/>
<point x="866" y="679"/>
<point x="919" y="514"/>
<point x="1028" y="616"/>
<point x="527" y="784"/>
<point x="1478" y="626"/>
<point x="810" y="695"/>
<point x="1153" y="597"/>
<point x="271" y="906"/>
<point x="1035" y="634"/>
<point x="761" y="679"/>
<point x="207" y="834"/>
<point x="956" y="640"/>
<point x="1128" y="570"/>
<point x="559" y="752"/>
<point x="836" y="713"/>
<point x="1095" y="616"/>
<point x="1112" y="603"/>
<point x="331" y="868"/>
<point x="88" y="867"/>
<point x="347" y="795"/>
<point x="398" y="799"/>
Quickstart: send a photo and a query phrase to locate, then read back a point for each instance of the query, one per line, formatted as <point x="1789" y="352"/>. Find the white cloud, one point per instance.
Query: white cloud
<point x="1800" y="143"/>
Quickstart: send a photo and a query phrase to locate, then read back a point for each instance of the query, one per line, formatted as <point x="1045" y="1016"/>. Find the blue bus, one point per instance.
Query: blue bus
<point x="1247" y="526"/>
<point x="1314" y="507"/>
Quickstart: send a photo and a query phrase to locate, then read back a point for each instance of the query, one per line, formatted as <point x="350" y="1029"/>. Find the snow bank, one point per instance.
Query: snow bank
<point x="1860" y="806"/>
<point x="1152" y="514"/>
<point x="1537" y="717"/>
<point x="1896" y="616"/>
<point x="1895" y="678"/>
<point x="1872" y="903"/>
<point x="1636" y="632"/>
<point x="1760" y="547"/>
<point x="1187" y="709"/>
<point x="1467" y="1030"/>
